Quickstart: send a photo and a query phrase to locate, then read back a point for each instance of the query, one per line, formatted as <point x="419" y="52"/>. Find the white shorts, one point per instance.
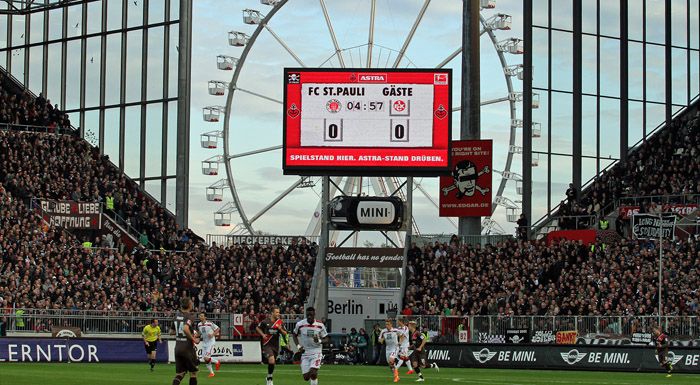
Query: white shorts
<point x="207" y="349"/>
<point x="310" y="361"/>
<point x="391" y="354"/>
<point x="403" y="352"/>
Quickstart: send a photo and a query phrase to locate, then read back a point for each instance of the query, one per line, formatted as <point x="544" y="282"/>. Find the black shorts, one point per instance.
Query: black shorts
<point x="662" y="356"/>
<point x="186" y="360"/>
<point x="419" y="358"/>
<point x="270" y="350"/>
<point x="151" y="347"/>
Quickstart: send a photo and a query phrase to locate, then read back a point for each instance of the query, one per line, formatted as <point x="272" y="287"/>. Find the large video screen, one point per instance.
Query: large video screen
<point x="367" y="122"/>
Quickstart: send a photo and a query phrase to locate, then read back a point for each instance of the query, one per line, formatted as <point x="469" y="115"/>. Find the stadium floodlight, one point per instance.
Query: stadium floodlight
<point x="237" y="39"/>
<point x="211" y="139"/>
<point x="252" y="16"/>
<point x="215" y="192"/>
<point x="210" y="166"/>
<point x="217" y="87"/>
<point x="500" y="21"/>
<point x="226" y="63"/>
<point x="512" y="45"/>
<point x="488" y="4"/>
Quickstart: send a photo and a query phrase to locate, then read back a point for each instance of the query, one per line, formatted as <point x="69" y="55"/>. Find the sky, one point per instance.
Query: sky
<point x="256" y="123"/>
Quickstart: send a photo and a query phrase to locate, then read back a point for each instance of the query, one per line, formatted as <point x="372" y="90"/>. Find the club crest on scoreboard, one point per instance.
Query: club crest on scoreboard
<point x="333" y="106"/>
<point x="293" y="78"/>
<point x="293" y="111"/>
<point x="441" y="112"/>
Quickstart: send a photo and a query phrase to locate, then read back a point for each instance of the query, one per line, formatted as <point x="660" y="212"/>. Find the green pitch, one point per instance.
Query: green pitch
<point x="121" y="374"/>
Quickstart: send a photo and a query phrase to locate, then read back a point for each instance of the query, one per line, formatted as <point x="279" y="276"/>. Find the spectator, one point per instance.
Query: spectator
<point x="619" y="226"/>
<point x="376" y="346"/>
<point x="571" y="194"/>
<point x="362" y="346"/>
<point x="522" y="227"/>
<point x="3" y="326"/>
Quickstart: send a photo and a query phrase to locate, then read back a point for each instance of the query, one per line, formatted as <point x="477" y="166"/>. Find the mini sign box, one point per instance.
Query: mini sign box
<point x="366" y="213"/>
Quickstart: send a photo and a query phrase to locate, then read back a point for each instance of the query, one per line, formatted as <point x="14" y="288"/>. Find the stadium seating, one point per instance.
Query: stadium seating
<point x="666" y="164"/>
<point x="565" y="278"/>
<point x="44" y="268"/>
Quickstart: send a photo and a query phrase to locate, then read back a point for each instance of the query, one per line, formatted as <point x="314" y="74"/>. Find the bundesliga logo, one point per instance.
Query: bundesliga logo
<point x="333" y="106"/>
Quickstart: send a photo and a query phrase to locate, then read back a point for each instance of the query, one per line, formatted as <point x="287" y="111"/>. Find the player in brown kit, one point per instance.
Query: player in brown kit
<point x="186" y="359"/>
<point x="270" y="330"/>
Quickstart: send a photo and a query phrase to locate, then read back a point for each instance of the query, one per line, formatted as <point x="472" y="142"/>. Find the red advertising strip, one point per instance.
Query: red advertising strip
<point x="567" y="337"/>
<point x="585" y="236"/>
<point x="353" y="121"/>
<point x="626" y="212"/>
<point x="466" y="192"/>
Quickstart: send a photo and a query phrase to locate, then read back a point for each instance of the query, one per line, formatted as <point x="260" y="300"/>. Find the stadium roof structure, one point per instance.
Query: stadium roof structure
<point x="21" y="7"/>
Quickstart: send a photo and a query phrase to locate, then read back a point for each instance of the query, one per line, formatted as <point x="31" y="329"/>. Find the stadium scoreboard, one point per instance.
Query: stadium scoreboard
<point x="367" y="122"/>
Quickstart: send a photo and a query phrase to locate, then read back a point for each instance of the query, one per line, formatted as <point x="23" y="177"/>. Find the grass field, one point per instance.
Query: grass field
<point x="118" y="374"/>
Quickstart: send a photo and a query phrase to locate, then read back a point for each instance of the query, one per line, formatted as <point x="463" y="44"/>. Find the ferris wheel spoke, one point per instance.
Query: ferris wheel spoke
<point x="276" y="200"/>
<point x="425" y="194"/>
<point x="257" y="94"/>
<point x="255" y="152"/>
<point x="370" y="38"/>
<point x="410" y="34"/>
<point x="455" y="53"/>
<point x="284" y="45"/>
<point x="338" y="51"/>
<point x="486" y="102"/>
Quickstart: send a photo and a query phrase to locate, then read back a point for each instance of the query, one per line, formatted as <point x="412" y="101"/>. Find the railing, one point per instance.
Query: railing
<point x="660" y="199"/>
<point x="441" y="328"/>
<point x="40" y="129"/>
<point x="127" y="323"/>
<point x="464" y="239"/>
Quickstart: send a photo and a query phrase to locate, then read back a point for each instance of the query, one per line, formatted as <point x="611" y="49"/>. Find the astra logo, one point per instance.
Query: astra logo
<point x="572" y="356"/>
<point x="484" y="355"/>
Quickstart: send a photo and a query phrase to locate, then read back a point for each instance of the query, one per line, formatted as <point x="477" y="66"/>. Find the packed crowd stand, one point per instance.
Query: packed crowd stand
<point x="43" y="267"/>
<point x="563" y="278"/>
<point x="667" y="164"/>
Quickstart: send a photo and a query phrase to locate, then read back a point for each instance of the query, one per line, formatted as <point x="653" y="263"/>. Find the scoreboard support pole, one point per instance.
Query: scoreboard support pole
<point x="318" y="294"/>
<point x="470" y="119"/>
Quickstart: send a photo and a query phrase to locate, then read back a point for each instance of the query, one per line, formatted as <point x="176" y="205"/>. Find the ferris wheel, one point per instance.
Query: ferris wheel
<point x="237" y="215"/>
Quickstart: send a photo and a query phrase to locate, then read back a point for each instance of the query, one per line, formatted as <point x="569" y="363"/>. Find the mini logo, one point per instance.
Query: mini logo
<point x="333" y="106"/>
<point x="572" y="356"/>
<point x="293" y="78"/>
<point x="399" y="106"/>
<point x="293" y="111"/>
<point x="484" y="355"/>
<point x="672" y="357"/>
<point x="441" y="112"/>
<point x="373" y="78"/>
<point x="440" y="79"/>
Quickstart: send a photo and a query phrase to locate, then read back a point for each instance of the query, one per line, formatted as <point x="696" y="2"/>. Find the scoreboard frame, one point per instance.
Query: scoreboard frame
<point x="381" y="168"/>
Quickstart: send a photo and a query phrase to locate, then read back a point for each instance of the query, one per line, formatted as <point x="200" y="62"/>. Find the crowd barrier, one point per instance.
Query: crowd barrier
<point x="562" y="357"/>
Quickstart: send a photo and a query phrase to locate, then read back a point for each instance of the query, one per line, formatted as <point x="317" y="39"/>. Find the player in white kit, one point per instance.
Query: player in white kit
<point x="208" y="332"/>
<point x="308" y="335"/>
<point x="403" y="346"/>
<point x="392" y="338"/>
